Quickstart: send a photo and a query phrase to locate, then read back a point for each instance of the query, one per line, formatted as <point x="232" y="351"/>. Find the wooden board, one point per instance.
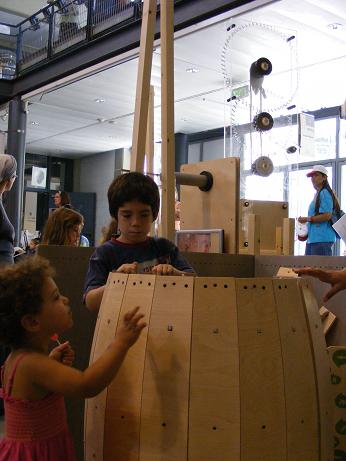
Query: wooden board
<point x="271" y="216"/>
<point x="322" y="372"/>
<point x="217" y="208"/>
<point x="122" y="416"/>
<point x="262" y="401"/>
<point x="214" y="421"/>
<point x="164" y="419"/>
<point x="104" y="333"/>
<point x="299" y="374"/>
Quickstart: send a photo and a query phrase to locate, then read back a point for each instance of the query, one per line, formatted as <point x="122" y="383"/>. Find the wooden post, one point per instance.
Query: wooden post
<point x="167" y="117"/>
<point x="149" y="143"/>
<point x="143" y="85"/>
<point x="278" y="240"/>
<point x="288" y="236"/>
<point x="254" y="227"/>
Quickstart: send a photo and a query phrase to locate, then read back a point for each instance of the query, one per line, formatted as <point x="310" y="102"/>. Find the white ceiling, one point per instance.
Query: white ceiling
<point x="23" y="8"/>
<point x="68" y="121"/>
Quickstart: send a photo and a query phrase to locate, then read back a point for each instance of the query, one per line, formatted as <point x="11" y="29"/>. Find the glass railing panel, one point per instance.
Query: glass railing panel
<point x="109" y="13"/>
<point x="69" y="25"/>
<point x="8" y="46"/>
<point x="33" y="42"/>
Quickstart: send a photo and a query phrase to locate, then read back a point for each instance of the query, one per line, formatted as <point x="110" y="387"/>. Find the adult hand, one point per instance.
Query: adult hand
<point x="302" y="219"/>
<point x="337" y="279"/>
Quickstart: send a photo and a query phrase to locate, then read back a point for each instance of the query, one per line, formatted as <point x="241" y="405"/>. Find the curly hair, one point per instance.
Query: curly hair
<point x="59" y="224"/>
<point x="21" y="294"/>
<point x="133" y="186"/>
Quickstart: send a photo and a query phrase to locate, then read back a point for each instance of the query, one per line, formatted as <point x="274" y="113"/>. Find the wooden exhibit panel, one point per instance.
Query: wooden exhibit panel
<point x="299" y="373"/>
<point x="217" y="208"/>
<point x="262" y="391"/>
<point x="122" y="417"/>
<point x="271" y="216"/>
<point x="214" y="416"/>
<point x="104" y="333"/>
<point x="322" y="370"/>
<point x="71" y="264"/>
<point x="164" y="418"/>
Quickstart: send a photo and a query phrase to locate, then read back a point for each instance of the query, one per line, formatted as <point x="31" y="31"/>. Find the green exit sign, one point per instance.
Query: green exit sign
<point x="241" y="92"/>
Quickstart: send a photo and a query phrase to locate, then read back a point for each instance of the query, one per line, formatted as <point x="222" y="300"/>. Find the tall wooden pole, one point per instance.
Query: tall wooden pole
<point x="143" y="85"/>
<point x="167" y="116"/>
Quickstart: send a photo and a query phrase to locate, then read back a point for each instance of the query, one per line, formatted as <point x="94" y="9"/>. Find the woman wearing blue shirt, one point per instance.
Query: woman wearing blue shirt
<point x="321" y="236"/>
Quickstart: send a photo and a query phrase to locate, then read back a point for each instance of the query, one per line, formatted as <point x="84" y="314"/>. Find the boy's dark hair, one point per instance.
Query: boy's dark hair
<point x="133" y="186"/>
<point x="20" y="294"/>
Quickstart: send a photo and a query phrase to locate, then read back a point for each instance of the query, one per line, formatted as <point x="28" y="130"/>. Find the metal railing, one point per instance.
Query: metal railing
<point x="60" y="25"/>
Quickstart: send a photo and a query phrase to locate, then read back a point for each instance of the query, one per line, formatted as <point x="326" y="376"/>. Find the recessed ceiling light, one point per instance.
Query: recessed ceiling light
<point x="99" y="100"/>
<point x="335" y="25"/>
<point x="35" y="123"/>
<point x="192" y="70"/>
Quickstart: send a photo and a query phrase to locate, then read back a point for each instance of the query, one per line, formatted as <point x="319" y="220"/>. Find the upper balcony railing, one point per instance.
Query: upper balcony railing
<point x="60" y="25"/>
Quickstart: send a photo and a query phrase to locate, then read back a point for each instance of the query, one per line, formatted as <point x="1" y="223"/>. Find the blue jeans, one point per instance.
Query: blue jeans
<point x="319" y="249"/>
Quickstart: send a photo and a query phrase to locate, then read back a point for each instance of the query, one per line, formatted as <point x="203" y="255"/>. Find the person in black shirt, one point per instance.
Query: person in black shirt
<point x="8" y="168"/>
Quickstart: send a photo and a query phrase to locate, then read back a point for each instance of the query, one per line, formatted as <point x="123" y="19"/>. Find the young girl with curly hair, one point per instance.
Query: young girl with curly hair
<point x="34" y="381"/>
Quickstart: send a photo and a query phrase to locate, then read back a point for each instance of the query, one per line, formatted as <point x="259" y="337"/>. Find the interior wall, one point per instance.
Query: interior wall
<point x="96" y="173"/>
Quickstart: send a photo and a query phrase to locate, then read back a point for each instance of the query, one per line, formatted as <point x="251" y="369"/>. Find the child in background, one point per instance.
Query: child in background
<point x="134" y="203"/>
<point x="63" y="227"/>
<point x="33" y="381"/>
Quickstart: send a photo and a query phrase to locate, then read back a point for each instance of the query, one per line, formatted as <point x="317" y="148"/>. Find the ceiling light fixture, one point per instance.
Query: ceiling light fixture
<point x="99" y="100"/>
<point x="335" y="25"/>
<point x="192" y="70"/>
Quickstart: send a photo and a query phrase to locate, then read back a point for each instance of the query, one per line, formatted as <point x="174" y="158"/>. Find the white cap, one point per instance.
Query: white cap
<point x="317" y="169"/>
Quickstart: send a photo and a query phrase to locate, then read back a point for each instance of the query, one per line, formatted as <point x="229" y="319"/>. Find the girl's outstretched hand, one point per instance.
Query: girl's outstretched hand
<point x="131" y="327"/>
<point x="63" y="353"/>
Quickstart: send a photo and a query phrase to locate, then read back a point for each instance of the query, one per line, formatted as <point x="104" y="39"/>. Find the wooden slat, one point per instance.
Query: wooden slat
<point x="104" y="333"/>
<point x="254" y="242"/>
<point x="299" y="373"/>
<point x="214" y="421"/>
<point x="122" y="417"/>
<point x="164" y="419"/>
<point x="322" y="371"/>
<point x="263" y="419"/>
<point x="143" y="85"/>
<point x="288" y="236"/>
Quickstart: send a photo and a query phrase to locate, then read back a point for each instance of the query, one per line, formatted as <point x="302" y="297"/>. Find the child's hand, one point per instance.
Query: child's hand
<point x="165" y="269"/>
<point x="63" y="353"/>
<point x="128" y="268"/>
<point x="131" y="327"/>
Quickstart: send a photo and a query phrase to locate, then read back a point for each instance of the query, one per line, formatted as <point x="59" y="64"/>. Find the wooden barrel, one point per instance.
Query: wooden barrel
<point x="227" y="370"/>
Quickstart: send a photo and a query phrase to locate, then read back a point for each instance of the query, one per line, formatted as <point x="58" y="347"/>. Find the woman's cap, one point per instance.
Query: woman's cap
<point x="8" y="167"/>
<point x="317" y="169"/>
